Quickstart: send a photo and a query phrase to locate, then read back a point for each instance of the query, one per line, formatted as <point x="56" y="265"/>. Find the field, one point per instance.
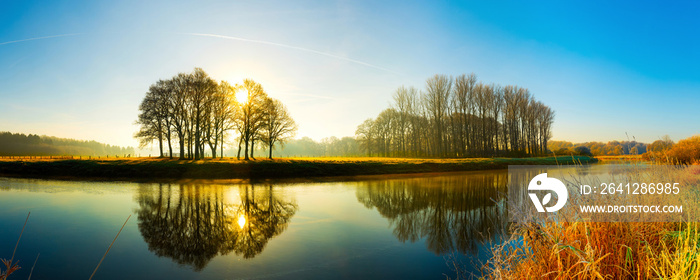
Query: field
<point x="231" y="168"/>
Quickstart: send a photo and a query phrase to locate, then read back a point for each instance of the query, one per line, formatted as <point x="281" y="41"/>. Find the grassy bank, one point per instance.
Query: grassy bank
<point x="621" y="158"/>
<point x="155" y="168"/>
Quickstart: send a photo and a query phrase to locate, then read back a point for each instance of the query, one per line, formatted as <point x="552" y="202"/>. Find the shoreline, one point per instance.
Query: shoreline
<point x="311" y="169"/>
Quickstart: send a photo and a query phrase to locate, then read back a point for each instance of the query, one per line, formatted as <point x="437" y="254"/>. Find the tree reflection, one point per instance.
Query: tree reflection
<point x="191" y="224"/>
<point x="450" y="212"/>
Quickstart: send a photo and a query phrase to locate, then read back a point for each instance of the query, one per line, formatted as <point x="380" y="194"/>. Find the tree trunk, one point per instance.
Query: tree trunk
<point x="160" y="143"/>
<point x="170" y="148"/>
<point x="238" y="156"/>
<point x="252" y="149"/>
<point x="196" y="144"/>
<point x="182" y="147"/>
<point x="245" y="153"/>
<point x="189" y="144"/>
<point x="271" y="143"/>
<point x="213" y="150"/>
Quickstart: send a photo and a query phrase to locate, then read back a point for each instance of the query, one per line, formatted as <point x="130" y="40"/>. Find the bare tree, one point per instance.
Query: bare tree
<point x="463" y="103"/>
<point x="277" y="125"/>
<point x="150" y="126"/>
<point x="402" y="103"/>
<point x="251" y="114"/>
<point x="201" y="95"/>
<point x="221" y="112"/>
<point x="436" y="100"/>
<point x="365" y="135"/>
<point x="154" y="117"/>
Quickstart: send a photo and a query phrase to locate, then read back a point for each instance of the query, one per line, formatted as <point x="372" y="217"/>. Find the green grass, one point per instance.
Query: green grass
<point x="156" y="168"/>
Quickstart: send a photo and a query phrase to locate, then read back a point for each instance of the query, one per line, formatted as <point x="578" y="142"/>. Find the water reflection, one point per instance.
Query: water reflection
<point x="453" y="213"/>
<point x="191" y="224"/>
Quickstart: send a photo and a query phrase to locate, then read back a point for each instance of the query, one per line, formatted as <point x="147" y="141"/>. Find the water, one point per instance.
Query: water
<point x="378" y="228"/>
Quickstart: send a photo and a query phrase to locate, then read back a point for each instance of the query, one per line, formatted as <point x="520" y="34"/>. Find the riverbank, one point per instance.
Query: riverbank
<point x="621" y="158"/>
<point x="173" y="169"/>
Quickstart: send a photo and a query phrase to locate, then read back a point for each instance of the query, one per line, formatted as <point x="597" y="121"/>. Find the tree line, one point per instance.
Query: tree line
<point x="611" y="148"/>
<point x="664" y="150"/>
<point x="458" y="117"/>
<point x="192" y="112"/>
<point x="18" y="144"/>
<point x="327" y="147"/>
<point x="306" y="147"/>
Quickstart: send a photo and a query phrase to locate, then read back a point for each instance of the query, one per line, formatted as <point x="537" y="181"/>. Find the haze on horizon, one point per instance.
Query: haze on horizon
<point x="79" y="69"/>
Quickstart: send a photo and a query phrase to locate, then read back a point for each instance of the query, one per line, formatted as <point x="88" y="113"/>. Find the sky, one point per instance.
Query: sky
<point x="611" y="70"/>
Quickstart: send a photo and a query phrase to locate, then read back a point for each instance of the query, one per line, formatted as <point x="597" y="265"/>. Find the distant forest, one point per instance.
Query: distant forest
<point x="17" y="144"/>
<point x="307" y="147"/>
<point x="349" y="146"/>
<point x="327" y="147"/>
<point x="612" y="148"/>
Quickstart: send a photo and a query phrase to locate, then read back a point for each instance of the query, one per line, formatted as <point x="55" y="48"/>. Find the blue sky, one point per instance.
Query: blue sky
<point x="607" y="69"/>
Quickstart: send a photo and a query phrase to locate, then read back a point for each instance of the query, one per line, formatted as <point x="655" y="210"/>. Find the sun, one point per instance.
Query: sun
<point x="236" y="79"/>
<point x="241" y="95"/>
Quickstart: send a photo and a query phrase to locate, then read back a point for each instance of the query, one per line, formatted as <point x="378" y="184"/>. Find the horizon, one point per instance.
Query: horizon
<point x="153" y="146"/>
<point x="81" y="73"/>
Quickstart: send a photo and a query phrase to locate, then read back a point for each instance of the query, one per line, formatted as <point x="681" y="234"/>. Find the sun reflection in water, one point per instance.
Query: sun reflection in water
<point x="241" y="220"/>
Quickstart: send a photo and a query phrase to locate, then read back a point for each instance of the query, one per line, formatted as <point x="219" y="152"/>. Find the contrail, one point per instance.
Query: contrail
<point x="236" y="39"/>
<point x="39" y="38"/>
<point x="292" y="47"/>
<point x="310" y="95"/>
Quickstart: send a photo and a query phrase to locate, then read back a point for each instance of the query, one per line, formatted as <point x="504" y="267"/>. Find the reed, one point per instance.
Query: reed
<point x="10" y="265"/>
<point x="108" y="248"/>
<point x="581" y="249"/>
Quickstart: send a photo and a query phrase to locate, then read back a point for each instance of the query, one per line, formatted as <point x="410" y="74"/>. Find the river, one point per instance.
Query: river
<point x="407" y="227"/>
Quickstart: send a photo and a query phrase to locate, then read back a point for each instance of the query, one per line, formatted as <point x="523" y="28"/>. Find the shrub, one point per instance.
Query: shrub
<point x="582" y="151"/>
<point x="686" y="151"/>
<point x="562" y="152"/>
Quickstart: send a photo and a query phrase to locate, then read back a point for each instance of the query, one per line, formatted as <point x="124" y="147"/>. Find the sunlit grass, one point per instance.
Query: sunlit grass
<point x="601" y="250"/>
<point x="578" y="249"/>
<point x="260" y="168"/>
<point x="621" y="157"/>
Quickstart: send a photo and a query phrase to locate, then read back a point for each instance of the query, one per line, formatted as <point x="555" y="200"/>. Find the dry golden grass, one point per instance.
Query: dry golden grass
<point x="621" y="158"/>
<point x="584" y="250"/>
<point x="603" y="250"/>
